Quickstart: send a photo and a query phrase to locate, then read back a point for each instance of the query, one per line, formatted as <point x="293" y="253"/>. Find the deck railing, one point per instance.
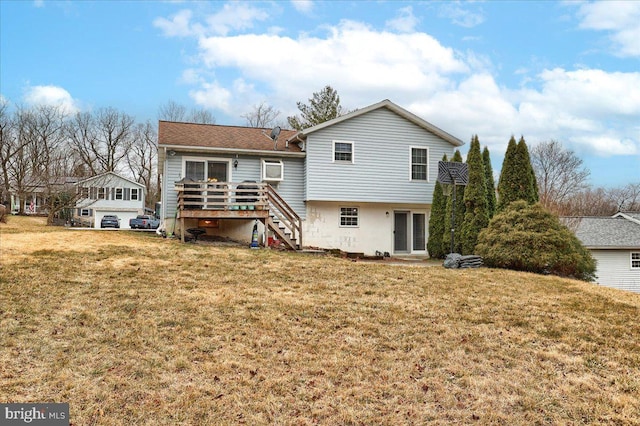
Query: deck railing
<point x="200" y="195"/>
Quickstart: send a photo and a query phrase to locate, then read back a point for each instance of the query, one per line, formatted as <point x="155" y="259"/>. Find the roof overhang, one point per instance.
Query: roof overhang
<point x="164" y="149"/>
<point x="302" y="135"/>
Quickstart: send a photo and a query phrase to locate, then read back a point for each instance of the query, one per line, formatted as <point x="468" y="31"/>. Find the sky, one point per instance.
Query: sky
<point x="564" y="71"/>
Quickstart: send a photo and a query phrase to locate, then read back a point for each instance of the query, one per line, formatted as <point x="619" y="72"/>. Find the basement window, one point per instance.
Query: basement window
<point x="349" y="217"/>
<point x="635" y="260"/>
<point x="272" y="170"/>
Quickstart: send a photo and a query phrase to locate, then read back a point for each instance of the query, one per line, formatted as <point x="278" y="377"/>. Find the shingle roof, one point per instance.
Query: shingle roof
<point x="176" y="134"/>
<point x="392" y="107"/>
<point x="607" y="232"/>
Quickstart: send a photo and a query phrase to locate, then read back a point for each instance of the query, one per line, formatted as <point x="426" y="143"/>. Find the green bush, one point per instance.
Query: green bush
<point x="526" y="237"/>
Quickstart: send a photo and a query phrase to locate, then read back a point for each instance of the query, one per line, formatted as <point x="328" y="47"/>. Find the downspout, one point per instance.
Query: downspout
<point x="163" y="189"/>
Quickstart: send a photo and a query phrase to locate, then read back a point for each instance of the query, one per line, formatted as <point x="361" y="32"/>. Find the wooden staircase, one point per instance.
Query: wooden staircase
<point x="283" y="220"/>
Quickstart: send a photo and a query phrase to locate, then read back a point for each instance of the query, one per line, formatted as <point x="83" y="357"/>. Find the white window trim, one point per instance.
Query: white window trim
<point x="411" y="148"/>
<point x="631" y="259"/>
<point x="137" y="190"/>
<point x="82" y="212"/>
<point x="333" y="152"/>
<point x="272" y="162"/>
<point x="205" y="160"/>
<point x="340" y="216"/>
<point x="115" y="193"/>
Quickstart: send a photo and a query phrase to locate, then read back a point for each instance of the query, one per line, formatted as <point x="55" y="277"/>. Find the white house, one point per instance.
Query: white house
<point x="614" y="243"/>
<point x="362" y="182"/>
<point x="109" y="194"/>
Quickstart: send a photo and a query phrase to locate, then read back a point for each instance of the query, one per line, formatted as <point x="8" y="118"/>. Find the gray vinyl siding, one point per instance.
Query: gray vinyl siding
<point x="249" y="168"/>
<point x="381" y="170"/>
<point x="614" y="269"/>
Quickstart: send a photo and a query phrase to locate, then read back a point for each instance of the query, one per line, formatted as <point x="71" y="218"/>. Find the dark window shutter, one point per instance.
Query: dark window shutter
<point x="127" y="193"/>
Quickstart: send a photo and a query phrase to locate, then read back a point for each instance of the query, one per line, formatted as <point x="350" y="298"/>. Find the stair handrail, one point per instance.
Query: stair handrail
<point x="291" y="220"/>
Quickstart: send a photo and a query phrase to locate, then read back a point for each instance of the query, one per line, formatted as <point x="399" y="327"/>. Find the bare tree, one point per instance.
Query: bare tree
<point x="141" y="159"/>
<point x="201" y="116"/>
<point x="262" y="116"/>
<point x="173" y="111"/>
<point x="101" y="140"/>
<point x="8" y="147"/>
<point x="559" y="173"/>
<point x="626" y="198"/>
<point x="81" y="131"/>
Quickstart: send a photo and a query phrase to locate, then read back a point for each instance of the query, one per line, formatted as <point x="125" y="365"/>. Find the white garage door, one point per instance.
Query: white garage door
<point x="124" y="217"/>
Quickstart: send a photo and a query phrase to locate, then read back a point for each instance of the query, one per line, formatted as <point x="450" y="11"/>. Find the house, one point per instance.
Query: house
<point x="35" y="192"/>
<point x="614" y="242"/>
<point x="362" y="182"/>
<point x="109" y="194"/>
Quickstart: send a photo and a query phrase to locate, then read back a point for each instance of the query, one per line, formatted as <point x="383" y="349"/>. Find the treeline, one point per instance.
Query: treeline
<point x="43" y="146"/>
<point x="549" y="174"/>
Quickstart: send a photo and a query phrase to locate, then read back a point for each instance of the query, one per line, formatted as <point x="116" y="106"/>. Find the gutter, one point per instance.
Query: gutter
<point x="263" y="153"/>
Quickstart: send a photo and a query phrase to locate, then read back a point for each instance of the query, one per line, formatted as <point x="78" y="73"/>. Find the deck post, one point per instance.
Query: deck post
<point x="182" y="229"/>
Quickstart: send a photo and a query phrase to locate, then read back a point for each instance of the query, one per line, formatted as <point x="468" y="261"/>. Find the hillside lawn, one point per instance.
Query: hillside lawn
<point x="133" y="329"/>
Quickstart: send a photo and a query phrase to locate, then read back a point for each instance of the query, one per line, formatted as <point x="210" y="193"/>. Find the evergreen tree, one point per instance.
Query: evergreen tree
<point x="506" y="184"/>
<point x="491" y="187"/>
<point x="476" y="217"/>
<point x="517" y="178"/>
<point x="436" y="221"/>
<point x="525" y="159"/>
<point x="323" y="106"/>
<point x="446" y="237"/>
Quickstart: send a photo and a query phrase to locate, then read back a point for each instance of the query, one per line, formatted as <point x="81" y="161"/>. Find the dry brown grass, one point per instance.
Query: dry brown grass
<point x="133" y="329"/>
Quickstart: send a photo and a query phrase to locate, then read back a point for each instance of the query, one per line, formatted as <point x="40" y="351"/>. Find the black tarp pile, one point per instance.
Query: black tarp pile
<point x="455" y="260"/>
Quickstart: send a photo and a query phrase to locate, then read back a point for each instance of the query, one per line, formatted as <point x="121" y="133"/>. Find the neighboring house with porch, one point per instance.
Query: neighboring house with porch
<point x="614" y="243"/>
<point x="109" y="194"/>
<point x="32" y="200"/>
<point x="361" y="183"/>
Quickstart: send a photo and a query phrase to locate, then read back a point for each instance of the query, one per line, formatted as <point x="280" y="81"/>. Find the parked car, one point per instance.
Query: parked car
<point x="110" y="221"/>
<point x="144" y="221"/>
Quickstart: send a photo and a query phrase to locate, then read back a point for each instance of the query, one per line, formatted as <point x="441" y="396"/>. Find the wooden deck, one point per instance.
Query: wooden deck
<point x="244" y="200"/>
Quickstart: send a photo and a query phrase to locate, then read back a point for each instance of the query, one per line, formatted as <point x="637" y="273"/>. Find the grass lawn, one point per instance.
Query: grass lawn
<point x="133" y="329"/>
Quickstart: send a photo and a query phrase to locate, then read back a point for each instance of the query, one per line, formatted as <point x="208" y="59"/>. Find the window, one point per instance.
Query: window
<point x="343" y="151"/>
<point x="419" y="161"/>
<point x="635" y="260"/>
<point x="200" y="170"/>
<point x="135" y="193"/>
<point x="84" y="192"/>
<point x="349" y="216"/>
<point x="272" y="170"/>
<point x="85" y="212"/>
<point x="119" y="194"/>
<point x="101" y="194"/>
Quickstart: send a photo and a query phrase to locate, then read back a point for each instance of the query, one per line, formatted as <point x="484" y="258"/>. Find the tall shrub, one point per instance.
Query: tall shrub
<point x="436" y="222"/>
<point x="476" y="217"/>
<point x="491" y="186"/>
<point x="460" y="208"/>
<point x="527" y="237"/>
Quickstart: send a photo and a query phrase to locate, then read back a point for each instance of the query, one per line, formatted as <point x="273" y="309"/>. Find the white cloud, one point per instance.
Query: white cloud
<point x="302" y="6"/>
<point x="463" y="17"/>
<point x="52" y="96"/>
<point x="405" y="22"/>
<point x="233" y="16"/>
<point x="177" y="26"/>
<point x="620" y="18"/>
<point x="38" y="3"/>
